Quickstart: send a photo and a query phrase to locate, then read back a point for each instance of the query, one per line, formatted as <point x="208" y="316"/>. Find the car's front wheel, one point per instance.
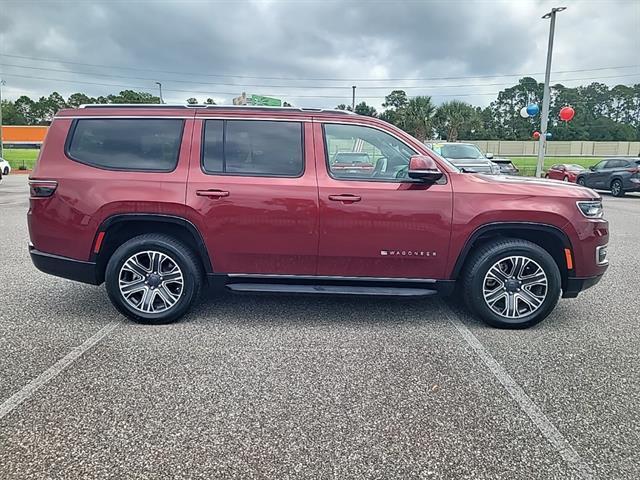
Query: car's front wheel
<point x="153" y="278"/>
<point x="617" y="189"/>
<point x="581" y="181"/>
<point x="511" y="283"/>
<point x="6" y="171"/>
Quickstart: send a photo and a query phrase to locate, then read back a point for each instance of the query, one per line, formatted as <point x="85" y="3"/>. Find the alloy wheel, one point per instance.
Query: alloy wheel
<point x="515" y="287"/>
<point x="151" y="282"/>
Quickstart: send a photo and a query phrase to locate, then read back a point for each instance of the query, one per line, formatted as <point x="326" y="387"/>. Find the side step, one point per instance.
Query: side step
<point x="330" y="289"/>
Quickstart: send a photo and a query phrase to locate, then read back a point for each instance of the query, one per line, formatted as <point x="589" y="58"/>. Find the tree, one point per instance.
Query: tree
<point x="192" y="101"/>
<point x="363" y="109"/>
<point x="209" y="101"/>
<point x="455" y="117"/>
<point x="342" y="106"/>
<point x="130" y="96"/>
<point x="417" y="117"/>
<point x="11" y="115"/>
<point x="396" y="99"/>
<point x="286" y="104"/>
<point x="77" y="99"/>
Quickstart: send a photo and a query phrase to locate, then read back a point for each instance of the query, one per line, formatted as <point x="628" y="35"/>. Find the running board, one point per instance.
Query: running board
<point x="330" y="289"/>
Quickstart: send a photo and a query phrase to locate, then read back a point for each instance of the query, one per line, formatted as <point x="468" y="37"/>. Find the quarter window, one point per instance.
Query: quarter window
<point x="127" y="144"/>
<point x="253" y="148"/>
<point x="364" y="153"/>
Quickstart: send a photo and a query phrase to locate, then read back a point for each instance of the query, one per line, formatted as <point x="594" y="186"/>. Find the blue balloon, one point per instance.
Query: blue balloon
<point x="533" y="110"/>
<point x="548" y="135"/>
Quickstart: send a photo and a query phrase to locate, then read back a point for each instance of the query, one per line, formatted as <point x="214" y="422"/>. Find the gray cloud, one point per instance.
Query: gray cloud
<point x="352" y="40"/>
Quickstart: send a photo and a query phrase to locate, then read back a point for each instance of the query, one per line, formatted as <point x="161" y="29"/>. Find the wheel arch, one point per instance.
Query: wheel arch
<point x="117" y="229"/>
<point x="549" y="237"/>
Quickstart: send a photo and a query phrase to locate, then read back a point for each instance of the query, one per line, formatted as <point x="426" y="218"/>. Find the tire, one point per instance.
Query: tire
<point x="565" y="179"/>
<point x="493" y="255"/>
<point x="6" y="171"/>
<point x="581" y="181"/>
<point x="546" y="175"/>
<point x="617" y="190"/>
<point x="166" y="300"/>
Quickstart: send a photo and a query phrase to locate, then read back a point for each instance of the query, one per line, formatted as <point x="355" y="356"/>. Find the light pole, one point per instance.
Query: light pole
<point x="546" y="92"/>
<point x="160" y="87"/>
<point x="2" y="82"/>
<point x="353" y="98"/>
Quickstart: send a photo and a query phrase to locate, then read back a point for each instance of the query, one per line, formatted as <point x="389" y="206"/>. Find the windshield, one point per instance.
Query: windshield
<point x="461" y="151"/>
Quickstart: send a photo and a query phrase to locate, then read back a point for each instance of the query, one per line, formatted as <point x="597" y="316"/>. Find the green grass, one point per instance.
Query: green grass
<point x="20" y="156"/>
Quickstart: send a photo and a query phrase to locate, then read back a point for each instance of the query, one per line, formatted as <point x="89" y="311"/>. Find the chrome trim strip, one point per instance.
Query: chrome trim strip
<point x="330" y="277"/>
<point x="606" y="260"/>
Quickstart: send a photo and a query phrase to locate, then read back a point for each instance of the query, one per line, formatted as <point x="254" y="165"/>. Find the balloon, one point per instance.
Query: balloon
<point x="533" y="110"/>
<point x="524" y="113"/>
<point x="567" y="113"/>
<point x="548" y="135"/>
<point x="536" y="135"/>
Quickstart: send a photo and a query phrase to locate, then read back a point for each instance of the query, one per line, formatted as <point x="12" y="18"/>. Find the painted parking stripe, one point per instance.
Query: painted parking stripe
<point x="45" y="377"/>
<point x="548" y="429"/>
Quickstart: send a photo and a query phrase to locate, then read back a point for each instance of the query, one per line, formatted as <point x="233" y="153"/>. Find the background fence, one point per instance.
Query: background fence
<point x="560" y="149"/>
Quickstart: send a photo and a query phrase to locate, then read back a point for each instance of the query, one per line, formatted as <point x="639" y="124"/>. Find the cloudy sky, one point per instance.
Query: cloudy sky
<point x="310" y="52"/>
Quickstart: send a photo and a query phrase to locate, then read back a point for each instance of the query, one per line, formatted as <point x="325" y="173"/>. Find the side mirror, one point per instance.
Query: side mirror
<point x="424" y="168"/>
<point x="592" y="168"/>
<point x="489" y="156"/>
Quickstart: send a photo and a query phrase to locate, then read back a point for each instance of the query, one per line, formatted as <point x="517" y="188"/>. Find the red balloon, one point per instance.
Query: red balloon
<point x="536" y="135"/>
<point x="567" y="113"/>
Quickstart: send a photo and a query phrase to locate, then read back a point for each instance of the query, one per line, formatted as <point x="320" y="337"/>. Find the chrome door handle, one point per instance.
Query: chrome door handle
<point x="212" y="193"/>
<point x="346" y="198"/>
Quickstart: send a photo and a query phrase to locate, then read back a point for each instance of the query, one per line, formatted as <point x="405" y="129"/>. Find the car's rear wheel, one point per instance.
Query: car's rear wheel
<point x="565" y="179"/>
<point x="616" y="188"/>
<point x="153" y="278"/>
<point x="6" y="171"/>
<point x="511" y="283"/>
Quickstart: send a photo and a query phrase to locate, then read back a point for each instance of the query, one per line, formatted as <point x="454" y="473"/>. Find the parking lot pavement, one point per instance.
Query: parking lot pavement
<point x="296" y="387"/>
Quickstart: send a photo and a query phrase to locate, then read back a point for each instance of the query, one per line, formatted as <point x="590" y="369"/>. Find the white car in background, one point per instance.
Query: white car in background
<point x="5" y="168"/>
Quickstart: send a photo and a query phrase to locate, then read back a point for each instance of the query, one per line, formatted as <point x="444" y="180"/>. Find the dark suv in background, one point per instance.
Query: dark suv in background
<point x="619" y="175"/>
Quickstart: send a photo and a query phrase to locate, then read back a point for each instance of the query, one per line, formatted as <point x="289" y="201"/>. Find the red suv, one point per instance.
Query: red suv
<point x="155" y="201"/>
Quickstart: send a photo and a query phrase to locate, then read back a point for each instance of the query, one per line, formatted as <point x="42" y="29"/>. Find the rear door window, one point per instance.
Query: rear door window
<point x="253" y="148"/>
<point x="135" y="144"/>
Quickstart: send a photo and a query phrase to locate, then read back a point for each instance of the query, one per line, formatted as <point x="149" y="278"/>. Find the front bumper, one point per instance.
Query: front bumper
<point x="576" y="285"/>
<point x="64" y="267"/>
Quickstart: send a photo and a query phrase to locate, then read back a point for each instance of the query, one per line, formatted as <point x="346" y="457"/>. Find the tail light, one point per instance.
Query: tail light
<point x="42" y="188"/>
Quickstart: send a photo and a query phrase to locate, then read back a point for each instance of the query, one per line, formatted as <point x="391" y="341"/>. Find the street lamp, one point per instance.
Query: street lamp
<point x="160" y="87"/>
<point x="546" y="93"/>
<point x="2" y="82"/>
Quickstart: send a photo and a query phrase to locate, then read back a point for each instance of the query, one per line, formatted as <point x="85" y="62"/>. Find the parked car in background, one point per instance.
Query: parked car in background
<point x="249" y="198"/>
<point x="619" y="175"/>
<point x="466" y="156"/>
<point x="352" y="162"/>
<point x="5" y="168"/>
<point x="567" y="172"/>
<point x="506" y="166"/>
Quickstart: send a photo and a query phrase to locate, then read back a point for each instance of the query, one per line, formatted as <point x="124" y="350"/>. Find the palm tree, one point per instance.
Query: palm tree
<point x="417" y="117"/>
<point x="454" y="117"/>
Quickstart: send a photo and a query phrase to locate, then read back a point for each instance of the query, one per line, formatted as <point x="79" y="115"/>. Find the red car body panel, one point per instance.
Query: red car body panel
<point x="289" y="226"/>
<point x="561" y="172"/>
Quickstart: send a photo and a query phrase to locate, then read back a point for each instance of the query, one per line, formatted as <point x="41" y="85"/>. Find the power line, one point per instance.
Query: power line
<point x="332" y="87"/>
<point x="345" y="79"/>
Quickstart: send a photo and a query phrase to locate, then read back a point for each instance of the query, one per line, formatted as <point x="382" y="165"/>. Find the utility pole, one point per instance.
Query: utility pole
<point x="546" y="92"/>
<point x="353" y="98"/>
<point x="2" y="82"/>
<point x="160" y="87"/>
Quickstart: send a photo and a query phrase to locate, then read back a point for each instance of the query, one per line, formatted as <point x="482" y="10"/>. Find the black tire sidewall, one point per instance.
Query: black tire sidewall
<point x="178" y="253"/>
<point x="620" y="191"/>
<point x="533" y="252"/>
<point x="581" y="182"/>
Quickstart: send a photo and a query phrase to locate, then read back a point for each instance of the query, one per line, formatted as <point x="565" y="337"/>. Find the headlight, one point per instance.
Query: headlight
<point x="591" y="209"/>
<point x="495" y="169"/>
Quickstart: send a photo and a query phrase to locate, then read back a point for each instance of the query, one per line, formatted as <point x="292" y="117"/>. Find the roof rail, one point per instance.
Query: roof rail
<point x="239" y="107"/>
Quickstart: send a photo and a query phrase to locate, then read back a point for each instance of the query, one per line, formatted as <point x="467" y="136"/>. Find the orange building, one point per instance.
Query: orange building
<point x="23" y="135"/>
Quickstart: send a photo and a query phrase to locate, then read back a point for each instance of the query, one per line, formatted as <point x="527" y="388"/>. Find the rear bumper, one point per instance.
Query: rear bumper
<point x="576" y="285"/>
<point x="64" y="267"/>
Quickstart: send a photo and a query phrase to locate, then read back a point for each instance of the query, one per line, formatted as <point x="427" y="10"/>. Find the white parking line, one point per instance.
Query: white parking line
<point x="548" y="429"/>
<point x="29" y="389"/>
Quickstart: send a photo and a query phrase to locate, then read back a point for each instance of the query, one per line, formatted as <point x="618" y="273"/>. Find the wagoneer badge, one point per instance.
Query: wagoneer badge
<point x="406" y="253"/>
